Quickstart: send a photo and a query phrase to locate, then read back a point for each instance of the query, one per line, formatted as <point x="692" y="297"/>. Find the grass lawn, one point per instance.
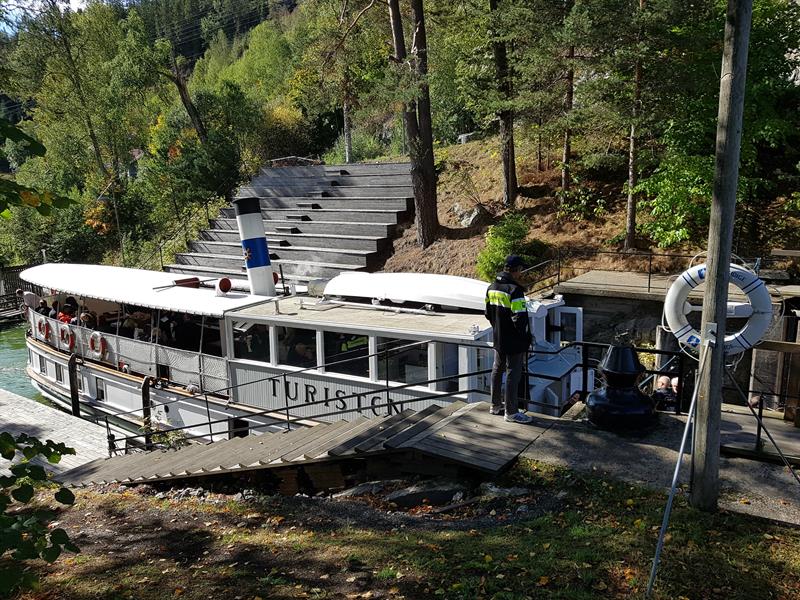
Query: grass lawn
<point x="586" y="537"/>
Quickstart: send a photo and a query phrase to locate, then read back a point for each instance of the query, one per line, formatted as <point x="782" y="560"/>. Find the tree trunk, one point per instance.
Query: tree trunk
<point x="348" y="134"/>
<point x="539" y="157"/>
<point x="504" y="87"/>
<point x="417" y="118"/>
<point x="568" y="99"/>
<point x="630" y="221"/>
<point x="183" y="91"/>
<point x="427" y="215"/>
<point x="75" y="76"/>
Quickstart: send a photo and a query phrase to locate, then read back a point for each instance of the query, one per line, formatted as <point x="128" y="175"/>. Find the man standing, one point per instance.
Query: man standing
<point x="506" y="311"/>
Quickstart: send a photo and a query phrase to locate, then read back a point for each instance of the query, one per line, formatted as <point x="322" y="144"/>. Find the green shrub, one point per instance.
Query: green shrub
<point x="508" y="236"/>
<point x="580" y="203"/>
<point x="365" y="147"/>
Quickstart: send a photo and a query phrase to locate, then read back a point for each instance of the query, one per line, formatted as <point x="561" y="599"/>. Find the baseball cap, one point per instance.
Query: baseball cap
<point x="515" y="262"/>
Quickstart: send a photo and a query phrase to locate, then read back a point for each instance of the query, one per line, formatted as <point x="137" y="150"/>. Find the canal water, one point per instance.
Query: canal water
<point x="13" y="358"/>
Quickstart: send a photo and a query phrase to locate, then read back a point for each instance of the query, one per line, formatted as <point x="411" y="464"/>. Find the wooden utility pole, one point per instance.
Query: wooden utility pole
<point x="705" y="474"/>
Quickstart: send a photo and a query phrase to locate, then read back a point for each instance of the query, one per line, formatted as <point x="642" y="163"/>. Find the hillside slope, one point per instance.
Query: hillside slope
<point x="471" y="178"/>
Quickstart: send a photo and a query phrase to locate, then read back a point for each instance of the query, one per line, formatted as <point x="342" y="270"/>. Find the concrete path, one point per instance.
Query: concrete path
<point x="23" y="415"/>
<point x="748" y="486"/>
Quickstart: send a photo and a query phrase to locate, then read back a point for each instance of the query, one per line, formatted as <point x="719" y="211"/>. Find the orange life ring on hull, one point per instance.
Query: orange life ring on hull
<point x="66" y="336"/>
<point x="44" y="329"/>
<point x="98" y="345"/>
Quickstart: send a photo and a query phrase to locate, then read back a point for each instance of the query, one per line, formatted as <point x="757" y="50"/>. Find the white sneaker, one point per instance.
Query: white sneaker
<point x="519" y="417"/>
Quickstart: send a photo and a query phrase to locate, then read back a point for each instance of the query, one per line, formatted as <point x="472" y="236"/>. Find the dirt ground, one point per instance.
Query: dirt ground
<point x="471" y="177"/>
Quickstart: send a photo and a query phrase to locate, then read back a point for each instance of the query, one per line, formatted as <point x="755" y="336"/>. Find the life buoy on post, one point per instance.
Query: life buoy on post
<point x="66" y="337"/>
<point x="98" y="345"/>
<point x="676" y="308"/>
<point x="44" y="329"/>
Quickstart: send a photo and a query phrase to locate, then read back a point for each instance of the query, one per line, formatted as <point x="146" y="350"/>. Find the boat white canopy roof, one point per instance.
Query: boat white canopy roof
<point x="426" y="288"/>
<point x="135" y="287"/>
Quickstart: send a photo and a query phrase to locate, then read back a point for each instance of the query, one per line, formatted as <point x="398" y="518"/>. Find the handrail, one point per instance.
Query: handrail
<point x="584" y="364"/>
<point x="272" y="377"/>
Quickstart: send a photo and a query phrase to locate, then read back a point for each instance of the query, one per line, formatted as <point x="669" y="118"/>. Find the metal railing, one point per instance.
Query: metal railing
<point x="140" y="357"/>
<point x="568" y="263"/>
<point x="143" y="440"/>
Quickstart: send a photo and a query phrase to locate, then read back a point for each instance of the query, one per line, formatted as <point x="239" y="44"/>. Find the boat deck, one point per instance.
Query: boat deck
<point x="23" y="415"/>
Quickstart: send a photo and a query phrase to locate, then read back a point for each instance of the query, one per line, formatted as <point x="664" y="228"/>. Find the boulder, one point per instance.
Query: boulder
<point x="491" y="490"/>
<point x="436" y="492"/>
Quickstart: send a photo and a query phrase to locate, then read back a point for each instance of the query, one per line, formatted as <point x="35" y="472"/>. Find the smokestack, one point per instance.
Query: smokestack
<point x="254" y="246"/>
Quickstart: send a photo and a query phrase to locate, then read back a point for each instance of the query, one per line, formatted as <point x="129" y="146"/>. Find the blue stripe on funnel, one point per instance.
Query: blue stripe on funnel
<point x="256" y="253"/>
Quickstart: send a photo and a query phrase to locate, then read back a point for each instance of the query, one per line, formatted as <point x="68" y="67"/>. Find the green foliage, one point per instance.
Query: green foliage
<point x="24" y="533"/>
<point x="364" y="147"/>
<point x="678" y="198"/>
<point x="580" y="202"/>
<point x="508" y="236"/>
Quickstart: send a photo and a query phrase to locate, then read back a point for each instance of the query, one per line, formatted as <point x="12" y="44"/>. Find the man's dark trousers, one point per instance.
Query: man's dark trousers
<point x="512" y="365"/>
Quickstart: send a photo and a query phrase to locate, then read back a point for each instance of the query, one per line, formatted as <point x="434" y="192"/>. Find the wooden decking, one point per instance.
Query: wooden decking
<point x="738" y="435"/>
<point x="458" y="434"/>
<point x="23" y="415"/>
<point x="628" y="284"/>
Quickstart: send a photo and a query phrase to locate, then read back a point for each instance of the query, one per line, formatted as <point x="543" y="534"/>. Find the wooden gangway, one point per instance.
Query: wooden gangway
<point x="9" y="309"/>
<point x="459" y="434"/>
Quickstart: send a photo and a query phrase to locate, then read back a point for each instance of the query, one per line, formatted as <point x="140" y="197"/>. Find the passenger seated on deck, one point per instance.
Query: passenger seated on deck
<point x="187" y="334"/>
<point x="87" y="320"/>
<point x="43" y="309"/>
<point x="53" y="314"/>
<point x="301" y="355"/>
<point x="664" y="397"/>
<point x="65" y="316"/>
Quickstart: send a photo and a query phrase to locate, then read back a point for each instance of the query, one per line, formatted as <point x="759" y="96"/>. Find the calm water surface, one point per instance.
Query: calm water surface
<point x="13" y="358"/>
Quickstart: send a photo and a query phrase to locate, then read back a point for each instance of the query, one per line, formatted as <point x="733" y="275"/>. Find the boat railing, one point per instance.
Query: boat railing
<point x="128" y="355"/>
<point x="288" y="420"/>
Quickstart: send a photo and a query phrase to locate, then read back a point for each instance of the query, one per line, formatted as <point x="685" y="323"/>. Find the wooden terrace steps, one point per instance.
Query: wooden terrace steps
<point x="464" y="434"/>
<point x="319" y="220"/>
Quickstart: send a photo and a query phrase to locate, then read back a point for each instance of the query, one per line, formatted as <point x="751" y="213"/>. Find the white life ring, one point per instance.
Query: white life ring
<point x="43" y="326"/>
<point x="66" y="337"/>
<point x="676" y="308"/>
<point x="98" y="345"/>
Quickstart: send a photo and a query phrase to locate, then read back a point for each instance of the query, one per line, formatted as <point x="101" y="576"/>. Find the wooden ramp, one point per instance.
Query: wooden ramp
<point x="462" y="434"/>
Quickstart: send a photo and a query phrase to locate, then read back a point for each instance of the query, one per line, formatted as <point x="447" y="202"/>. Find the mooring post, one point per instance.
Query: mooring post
<point x="72" y="370"/>
<point x="146" y="406"/>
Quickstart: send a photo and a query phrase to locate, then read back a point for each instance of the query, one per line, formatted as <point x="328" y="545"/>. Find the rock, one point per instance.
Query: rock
<point x="161" y="496"/>
<point x="362" y="489"/>
<point x="466" y="137"/>
<point x="523" y="508"/>
<point x="468" y="216"/>
<point x="492" y="491"/>
<point x="434" y="492"/>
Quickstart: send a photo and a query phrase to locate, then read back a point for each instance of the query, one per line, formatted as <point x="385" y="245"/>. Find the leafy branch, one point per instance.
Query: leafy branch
<point x="25" y="533"/>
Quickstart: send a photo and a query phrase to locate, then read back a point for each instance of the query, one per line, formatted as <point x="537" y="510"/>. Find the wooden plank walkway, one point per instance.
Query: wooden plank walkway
<point x="458" y="433"/>
<point x="23" y="415"/>
<point x="738" y="435"/>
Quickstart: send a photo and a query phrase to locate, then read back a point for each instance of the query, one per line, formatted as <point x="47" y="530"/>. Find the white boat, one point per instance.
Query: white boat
<point x="213" y="365"/>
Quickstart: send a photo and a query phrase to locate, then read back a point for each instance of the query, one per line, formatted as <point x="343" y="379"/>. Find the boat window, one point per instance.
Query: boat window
<point x="297" y="347"/>
<point x="485" y="361"/>
<point x="251" y="341"/>
<point x="100" y="386"/>
<point x="406" y="360"/>
<point x="42" y="365"/>
<point x="347" y="353"/>
<point x="447" y="366"/>
<point x="80" y="382"/>
<point x="59" y="373"/>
